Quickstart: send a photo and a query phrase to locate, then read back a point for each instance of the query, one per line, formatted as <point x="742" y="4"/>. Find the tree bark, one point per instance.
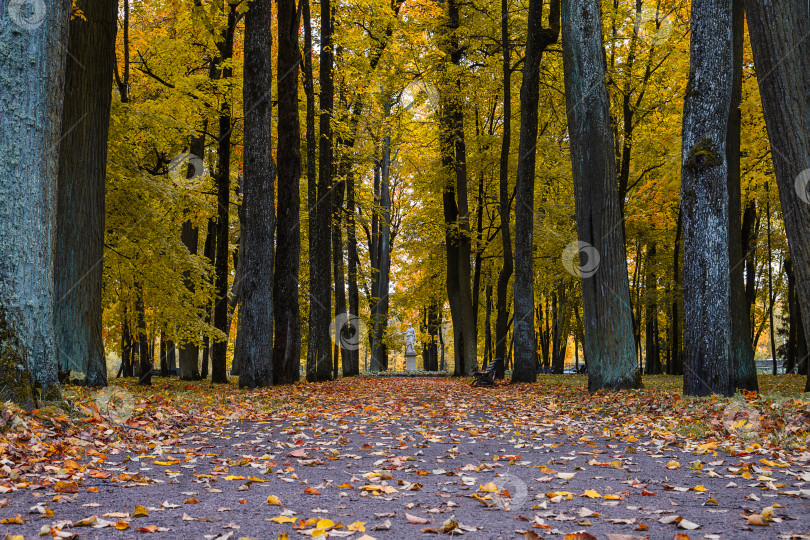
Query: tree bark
<point x="287" y="340"/>
<point x="708" y="363"/>
<point x="653" y="358"/>
<point x="537" y="40"/>
<point x="219" y="368"/>
<point x="145" y="366"/>
<point x="507" y="268"/>
<point x="32" y="60"/>
<point x="319" y="345"/>
<point x="456" y="207"/>
<point x="742" y="353"/>
<point x="782" y="59"/>
<point x="609" y="345"/>
<point x="258" y="226"/>
<point x="80" y="192"/>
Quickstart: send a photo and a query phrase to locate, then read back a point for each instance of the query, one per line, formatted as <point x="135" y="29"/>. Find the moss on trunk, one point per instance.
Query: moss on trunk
<point x="16" y="381"/>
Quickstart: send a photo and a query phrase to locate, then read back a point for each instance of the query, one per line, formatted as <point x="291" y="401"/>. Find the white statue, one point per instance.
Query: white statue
<point x="410" y="340"/>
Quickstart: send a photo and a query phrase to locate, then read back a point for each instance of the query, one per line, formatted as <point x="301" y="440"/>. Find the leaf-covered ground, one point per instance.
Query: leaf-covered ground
<point x="409" y="458"/>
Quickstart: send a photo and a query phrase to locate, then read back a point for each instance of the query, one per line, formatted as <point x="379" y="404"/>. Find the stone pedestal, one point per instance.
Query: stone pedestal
<point x="410" y="362"/>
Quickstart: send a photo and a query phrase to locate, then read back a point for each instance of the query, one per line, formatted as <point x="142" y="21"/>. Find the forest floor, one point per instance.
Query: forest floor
<point x="409" y="458"/>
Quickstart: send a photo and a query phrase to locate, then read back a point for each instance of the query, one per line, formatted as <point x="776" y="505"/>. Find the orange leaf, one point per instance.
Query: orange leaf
<point x="311" y="491"/>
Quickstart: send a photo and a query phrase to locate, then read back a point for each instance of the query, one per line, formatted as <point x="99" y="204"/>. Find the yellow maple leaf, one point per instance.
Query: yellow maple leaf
<point x="593" y="494"/>
<point x="272" y="499"/>
<point x="282" y="519"/>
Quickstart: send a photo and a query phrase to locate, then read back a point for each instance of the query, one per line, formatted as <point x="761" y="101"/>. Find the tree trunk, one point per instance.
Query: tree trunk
<point x="145" y="366"/>
<point x="677" y="357"/>
<point x="219" y="361"/>
<point x="32" y="60"/>
<point x="609" y="345"/>
<point x="258" y="226"/>
<point x="383" y="254"/>
<point x="705" y="202"/>
<point x="353" y="367"/>
<point x="319" y="345"/>
<point x="337" y="265"/>
<point x="164" y="355"/>
<point x="287" y="340"/>
<point x="537" y="40"/>
<point x="750" y="228"/>
<point x="80" y="192"/>
<point x="504" y="205"/>
<point x="742" y="353"/>
<point x="782" y="51"/>
<point x="190" y="236"/>
<point x="653" y="359"/>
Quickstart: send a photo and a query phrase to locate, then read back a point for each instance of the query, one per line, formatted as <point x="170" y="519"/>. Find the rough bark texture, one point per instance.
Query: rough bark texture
<point x="537" y="40"/>
<point x="742" y="353"/>
<point x="779" y="33"/>
<point x="708" y="365"/>
<point x="80" y="192"/>
<point x="319" y="344"/>
<point x="287" y="339"/>
<point x="256" y="287"/>
<point x="32" y="60"/>
<point x="609" y="345"/>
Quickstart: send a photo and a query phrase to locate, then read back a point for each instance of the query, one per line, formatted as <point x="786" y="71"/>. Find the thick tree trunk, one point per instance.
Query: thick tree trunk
<point x="219" y="369"/>
<point x="258" y="226"/>
<point x="32" y="60"/>
<point x="742" y="353"/>
<point x="708" y="366"/>
<point x="504" y="205"/>
<point x="782" y="59"/>
<point x="609" y="345"/>
<point x="537" y="40"/>
<point x="287" y="339"/>
<point x="80" y="192"/>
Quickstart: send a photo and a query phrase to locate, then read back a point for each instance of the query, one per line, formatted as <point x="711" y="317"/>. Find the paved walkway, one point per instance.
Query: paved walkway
<point x="409" y="458"/>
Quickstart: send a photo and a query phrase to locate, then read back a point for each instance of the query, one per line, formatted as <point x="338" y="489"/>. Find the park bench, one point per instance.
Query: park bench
<point x="486" y="377"/>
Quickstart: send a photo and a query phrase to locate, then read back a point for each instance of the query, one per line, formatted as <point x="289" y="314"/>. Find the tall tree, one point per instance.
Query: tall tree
<point x="33" y="47"/>
<point x="504" y="207"/>
<point x="782" y="60"/>
<point x="609" y="344"/>
<point x="219" y="370"/>
<point x="80" y="191"/>
<point x="538" y="40"/>
<point x="742" y="353"/>
<point x="256" y="287"/>
<point x="287" y="336"/>
<point x="456" y="206"/>
<point x="319" y="345"/>
<point x="708" y="365"/>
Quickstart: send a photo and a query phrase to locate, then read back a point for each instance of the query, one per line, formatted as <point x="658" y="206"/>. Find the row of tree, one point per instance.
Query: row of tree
<point x="385" y="159"/>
